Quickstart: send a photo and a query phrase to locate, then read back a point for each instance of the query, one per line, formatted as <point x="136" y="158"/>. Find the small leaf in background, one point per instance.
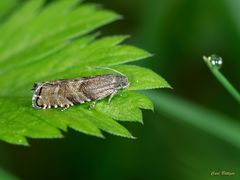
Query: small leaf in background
<point x="42" y="42"/>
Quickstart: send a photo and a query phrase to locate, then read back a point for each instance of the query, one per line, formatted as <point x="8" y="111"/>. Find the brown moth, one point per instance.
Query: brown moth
<point x="68" y="92"/>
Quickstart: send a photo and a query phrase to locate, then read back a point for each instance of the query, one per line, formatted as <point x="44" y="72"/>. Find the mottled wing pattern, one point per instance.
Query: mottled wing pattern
<point x="65" y="93"/>
<point x="99" y="87"/>
<point x="50" y="94"/>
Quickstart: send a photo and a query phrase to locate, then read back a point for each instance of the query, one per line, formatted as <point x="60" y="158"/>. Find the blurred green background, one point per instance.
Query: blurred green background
<point x="195" y="127"/>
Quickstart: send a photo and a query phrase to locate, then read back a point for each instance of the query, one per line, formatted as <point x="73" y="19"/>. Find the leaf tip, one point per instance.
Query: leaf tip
<point x="152" y="107"/>
<point x="133" y="137"/>
<point x="164" y="84"/>
<point x="148" y="54"/>
<point x="168" y="86"/>
<point x="101" y="136"/>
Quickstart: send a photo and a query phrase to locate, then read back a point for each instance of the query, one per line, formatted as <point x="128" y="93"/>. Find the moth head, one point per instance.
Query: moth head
<point x="123" y="82"/>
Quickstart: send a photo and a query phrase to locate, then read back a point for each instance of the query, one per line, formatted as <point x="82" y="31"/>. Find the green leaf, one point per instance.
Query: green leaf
<point x="7" y="175"/>
<point x="6" y="7"/>
<point x="215" y="123"/>
<point x="118" y="110"/>
<point x="54" y="41"/>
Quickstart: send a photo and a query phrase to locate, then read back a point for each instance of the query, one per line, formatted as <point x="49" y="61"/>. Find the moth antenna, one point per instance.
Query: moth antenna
<point x="107" y="68"/>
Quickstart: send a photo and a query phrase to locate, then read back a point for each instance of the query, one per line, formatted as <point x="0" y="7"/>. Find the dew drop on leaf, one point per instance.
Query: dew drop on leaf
<point x="215" y="61"/>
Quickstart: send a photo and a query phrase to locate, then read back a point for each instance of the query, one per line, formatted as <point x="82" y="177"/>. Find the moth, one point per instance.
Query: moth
<point x="69" y="92"/>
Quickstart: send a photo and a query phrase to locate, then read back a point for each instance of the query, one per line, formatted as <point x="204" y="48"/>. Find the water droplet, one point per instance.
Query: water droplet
<point x="215" y="61"/>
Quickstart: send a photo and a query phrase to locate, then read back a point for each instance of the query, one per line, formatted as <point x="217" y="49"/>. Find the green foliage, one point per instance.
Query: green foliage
<point x="6" y="175"/>
<point x="6" y="7"/>
<point x="47" y="42"/>
<point x="215" y="123"/>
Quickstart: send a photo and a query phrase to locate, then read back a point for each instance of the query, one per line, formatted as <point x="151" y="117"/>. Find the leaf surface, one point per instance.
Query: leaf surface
<point x="55" y="41"/>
